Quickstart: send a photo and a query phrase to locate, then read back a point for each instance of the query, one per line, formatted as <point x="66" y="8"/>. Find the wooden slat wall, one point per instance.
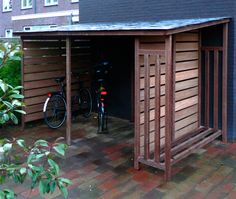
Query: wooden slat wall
<point x="186" y="90"/>
<point x="187" y="43"/>
<point x="44" y="60"/>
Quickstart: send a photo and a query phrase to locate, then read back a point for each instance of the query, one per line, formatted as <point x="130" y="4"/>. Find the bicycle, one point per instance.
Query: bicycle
<point x="54" y="108"/>
<point x="101" y="72"/>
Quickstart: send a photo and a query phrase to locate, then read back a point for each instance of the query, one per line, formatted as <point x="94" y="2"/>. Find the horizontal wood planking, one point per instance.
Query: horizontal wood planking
<point x="180" y="76"/>
<point x="190" y="45"/>
<point x="44" y="60"/>
<point x="186" y="87"/>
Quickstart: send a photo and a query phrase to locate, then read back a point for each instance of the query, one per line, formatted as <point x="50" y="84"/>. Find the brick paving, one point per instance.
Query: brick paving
<point x="101" y="166"/>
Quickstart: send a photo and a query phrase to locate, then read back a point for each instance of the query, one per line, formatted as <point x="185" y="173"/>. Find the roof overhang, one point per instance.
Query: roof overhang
<point x="167" y="27"/>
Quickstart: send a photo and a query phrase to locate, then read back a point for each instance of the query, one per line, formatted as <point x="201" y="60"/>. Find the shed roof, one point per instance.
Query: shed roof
<point x="161" y="27"/>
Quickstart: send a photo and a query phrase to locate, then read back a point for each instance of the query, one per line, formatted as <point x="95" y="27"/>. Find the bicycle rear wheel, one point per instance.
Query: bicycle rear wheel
<point x="85" y="102"/>
<point x="55" y="111"/>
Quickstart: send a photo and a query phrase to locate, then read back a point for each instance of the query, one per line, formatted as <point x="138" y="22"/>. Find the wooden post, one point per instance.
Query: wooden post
<point x="225" y="82"/>
<point x="207" y="88"/>
<point x="68" y="90"/>
<point x="200" y="79"/>
<point x="216" y="89"/>
<point x="157" y="109"/>
<point x="137" y="105"/>
<point x="22" y="83"/>
<point x="169" y="105"/>
<point x="146" y="106"/>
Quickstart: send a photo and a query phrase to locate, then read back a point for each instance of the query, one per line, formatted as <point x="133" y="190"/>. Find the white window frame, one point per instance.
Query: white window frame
<point x="51" y="3"/>
<point x="27" y="4"/>
<point x="10" y="31"/>
<point x="6" y="5"/>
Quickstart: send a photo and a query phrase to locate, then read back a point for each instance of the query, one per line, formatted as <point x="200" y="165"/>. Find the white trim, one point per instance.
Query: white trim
<point x="6" y="5"/>
<point x="28" y="6"/>
<point x="51" y="3"/>
<point x="45" y="15"/>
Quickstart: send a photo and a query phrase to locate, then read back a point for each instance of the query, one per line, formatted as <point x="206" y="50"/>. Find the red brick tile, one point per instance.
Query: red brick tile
<point x="105" y="175"/>
<point x="228" y="187"/>
<point x="112" y="194"/>
<point x="30" y="193"/>
<point x="115" y="156"/>
<point x="232" y="195"/>
<point x="141" y="176"/>
<point x="109" y="184"/>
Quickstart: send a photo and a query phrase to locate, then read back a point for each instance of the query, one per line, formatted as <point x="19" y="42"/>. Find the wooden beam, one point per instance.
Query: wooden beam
<point x="157" y="109"/>
<point x="225" y="81"/>
<point x="68" y="90"/>
<point x="216" y="89"/>
<point x="136" y="105"/>
<point x="207" y="89"/>
<point x="169" y="108"/>
<point x="146" y="106"/>
<point x="200" y="79"/>
<point x="22" y="84"/>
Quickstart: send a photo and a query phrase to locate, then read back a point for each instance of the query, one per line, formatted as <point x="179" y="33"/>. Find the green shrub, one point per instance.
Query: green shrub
<point x="10" y="63"/>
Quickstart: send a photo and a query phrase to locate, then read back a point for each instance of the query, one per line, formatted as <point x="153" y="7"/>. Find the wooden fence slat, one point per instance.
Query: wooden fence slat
<point x="207" y="89"/>
<point x="216" y="89"/>
<point x="146" y="108"/>
<point x="157" y="110"/>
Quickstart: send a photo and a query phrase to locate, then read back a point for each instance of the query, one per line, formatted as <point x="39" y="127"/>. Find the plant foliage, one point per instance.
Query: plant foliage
<point x="38" y="165"/>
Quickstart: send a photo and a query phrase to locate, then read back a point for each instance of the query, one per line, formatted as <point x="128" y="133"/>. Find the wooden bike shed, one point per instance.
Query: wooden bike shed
<point x="171" y="117"/>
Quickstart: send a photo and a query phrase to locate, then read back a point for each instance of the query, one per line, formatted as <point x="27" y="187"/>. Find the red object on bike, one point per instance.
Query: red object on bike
<point x="49" y="94"/>
<point x="103" y="93"/>
<point x="102" y="99"/>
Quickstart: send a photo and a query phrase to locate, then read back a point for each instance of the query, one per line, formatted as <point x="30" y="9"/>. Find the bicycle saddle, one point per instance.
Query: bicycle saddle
<point x="59" y="79"/>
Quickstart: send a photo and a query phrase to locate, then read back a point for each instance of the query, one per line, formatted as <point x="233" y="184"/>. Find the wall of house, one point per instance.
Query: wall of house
<point x="6" y="17"/>
<point x="149" y="10"/>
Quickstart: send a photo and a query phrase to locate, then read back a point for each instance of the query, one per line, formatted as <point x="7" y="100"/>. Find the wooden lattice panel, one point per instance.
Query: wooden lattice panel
<point x="43" y="61"/>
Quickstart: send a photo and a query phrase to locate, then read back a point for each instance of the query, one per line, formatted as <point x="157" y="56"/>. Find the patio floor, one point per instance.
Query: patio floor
<point x="101" y="166"/>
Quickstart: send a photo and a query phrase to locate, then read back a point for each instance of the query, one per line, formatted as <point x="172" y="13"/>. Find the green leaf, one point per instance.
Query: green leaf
<point x="21" y="112"/>
<point x="52" y="186"/>
<point x="64" y="191"/>
<point x="60" y="148"/>
<point x="66" y="181"/>
<point x="7" y="147"/>
<point x="13" y="118"/>
<point x="23" y="171"/>
<point x="21" y="143"/>
<point x="16" y="96"/>
<point x="41" y="143"/>
<point x="42" y="188"/>
<point x="54" y="165"/>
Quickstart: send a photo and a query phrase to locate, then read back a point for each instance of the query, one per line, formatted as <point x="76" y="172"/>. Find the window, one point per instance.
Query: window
<point x="8" y="33"/>
<point x="74" y="1"/>
<point x="25" y="4"/>
<point x="42" y="27"/>
<point x="7" y="5"/>
<point x="50" y="2"/>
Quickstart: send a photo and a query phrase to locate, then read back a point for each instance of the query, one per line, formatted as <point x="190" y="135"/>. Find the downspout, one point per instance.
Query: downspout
<point x="35" y="6"/>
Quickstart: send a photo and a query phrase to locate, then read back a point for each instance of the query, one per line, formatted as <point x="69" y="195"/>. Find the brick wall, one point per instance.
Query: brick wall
<point x="154" y="10"/>
<point x="7" y="23"/>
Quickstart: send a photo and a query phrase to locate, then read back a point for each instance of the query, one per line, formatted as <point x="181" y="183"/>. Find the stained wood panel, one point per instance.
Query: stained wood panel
<point x="44" y="60"/>
<point x="151" y="100"/>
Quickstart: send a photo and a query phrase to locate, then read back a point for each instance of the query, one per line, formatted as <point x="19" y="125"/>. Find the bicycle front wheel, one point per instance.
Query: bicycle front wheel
<point x="55" y="111"/>
<point x="85" y="102"/>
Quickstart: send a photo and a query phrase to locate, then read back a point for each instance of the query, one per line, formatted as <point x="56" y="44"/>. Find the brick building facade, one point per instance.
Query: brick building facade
<point x="35" y="14"/>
